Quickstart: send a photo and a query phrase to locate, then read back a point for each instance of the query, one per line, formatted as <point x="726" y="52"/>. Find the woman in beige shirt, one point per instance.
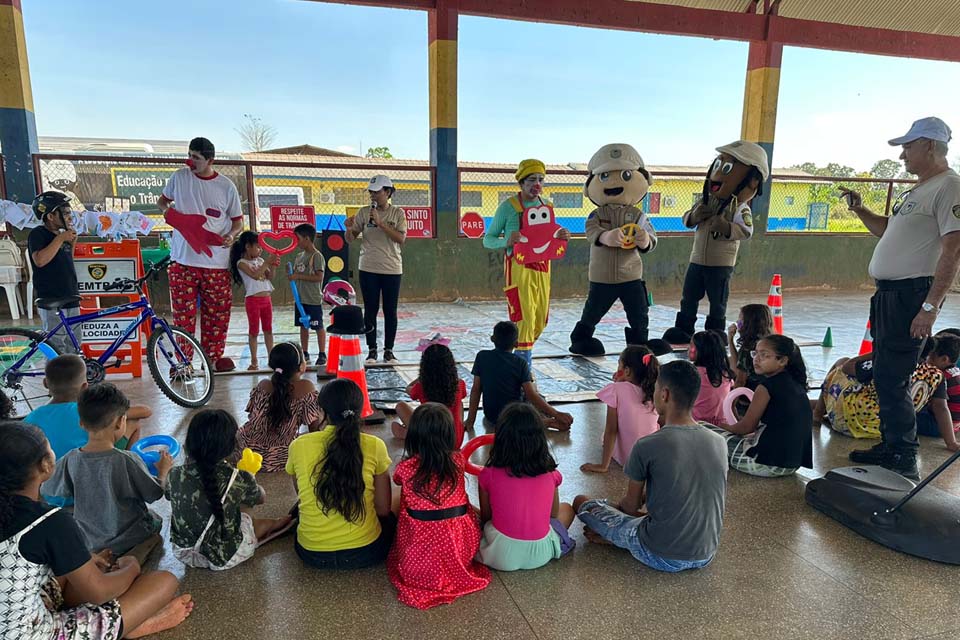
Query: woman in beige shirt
<point x="383" y="229"/>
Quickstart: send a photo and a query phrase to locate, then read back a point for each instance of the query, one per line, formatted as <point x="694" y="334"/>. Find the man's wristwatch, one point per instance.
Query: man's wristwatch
<point x="929" y="308"/>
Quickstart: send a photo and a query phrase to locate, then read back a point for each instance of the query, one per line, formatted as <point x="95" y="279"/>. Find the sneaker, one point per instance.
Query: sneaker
<point x="903" y="463"/>
<point x="388" y="357"/>
<point x="371" y="357"/>
<point x="873" y="455"/>
<point x="321" y="360"/>
<point x="223" y="365"/>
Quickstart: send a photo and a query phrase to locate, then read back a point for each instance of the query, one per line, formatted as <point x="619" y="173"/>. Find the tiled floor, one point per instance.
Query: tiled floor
<point x="783" y="569"/>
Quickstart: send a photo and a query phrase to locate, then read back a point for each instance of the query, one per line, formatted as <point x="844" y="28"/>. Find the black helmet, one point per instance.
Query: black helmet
<point x="48" y="202"/>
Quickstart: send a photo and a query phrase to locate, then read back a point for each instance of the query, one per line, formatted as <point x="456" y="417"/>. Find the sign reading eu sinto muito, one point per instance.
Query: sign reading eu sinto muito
<point x="142" y="185"/>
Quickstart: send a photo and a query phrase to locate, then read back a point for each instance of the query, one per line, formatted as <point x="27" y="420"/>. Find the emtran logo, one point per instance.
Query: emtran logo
<point x="97" y="270"/>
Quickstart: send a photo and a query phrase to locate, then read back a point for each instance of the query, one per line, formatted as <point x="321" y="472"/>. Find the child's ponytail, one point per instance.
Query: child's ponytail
<point x="22" y="447"/>
<point x="711" y="354"/>
<point x="785" y="347"/>
<point x="338" y="475"/>
<point x="284" y="359"/>
<point x="645" y="368"/>
<point x="211" y="437"/>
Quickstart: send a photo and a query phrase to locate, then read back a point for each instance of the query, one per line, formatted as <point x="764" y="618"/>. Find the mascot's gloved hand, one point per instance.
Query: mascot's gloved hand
<point x="191" y="228"/>
<point x="612" y="238"/>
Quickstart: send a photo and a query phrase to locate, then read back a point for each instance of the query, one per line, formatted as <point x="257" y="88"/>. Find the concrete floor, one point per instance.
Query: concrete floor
<point x="783" y="570"/>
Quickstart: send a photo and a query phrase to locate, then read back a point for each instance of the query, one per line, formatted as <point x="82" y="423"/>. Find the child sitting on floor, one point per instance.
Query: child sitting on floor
<point x="525" y="522"/>
<point x="754" y="323"/>
<point x="933" y="420"/>
<point x="59" y="590"/>
<point x="630" y="412"/>
<point x="343" y="481"/>
<point x="708" y="354"/>
<point x="210" y="500"/>
<point x="279" y="406"/>
<point x="773" y="439"/>
<point x="65" y="377"/>
<point x="671" y="516"/>
<point x="110" y="487"/>
<point x="502" y="377"/>
<point x="438" y="382"/>
<point x="438" y="533"/>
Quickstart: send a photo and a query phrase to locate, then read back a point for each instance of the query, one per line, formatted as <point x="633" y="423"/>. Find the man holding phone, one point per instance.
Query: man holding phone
<point x="203" y="207"/>
<point x="914" y="265"/>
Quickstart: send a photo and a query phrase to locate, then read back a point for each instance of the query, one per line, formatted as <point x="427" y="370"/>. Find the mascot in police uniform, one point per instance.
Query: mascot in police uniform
<point x="619" y="234"/>
<point x="721" y="219"/>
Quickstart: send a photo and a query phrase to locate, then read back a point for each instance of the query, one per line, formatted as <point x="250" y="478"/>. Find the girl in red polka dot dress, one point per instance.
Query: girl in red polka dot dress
<point x="438" y="532"/>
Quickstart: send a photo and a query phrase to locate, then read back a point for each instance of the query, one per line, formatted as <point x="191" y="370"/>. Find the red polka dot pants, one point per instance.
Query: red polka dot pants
<point x="213" y="288"/>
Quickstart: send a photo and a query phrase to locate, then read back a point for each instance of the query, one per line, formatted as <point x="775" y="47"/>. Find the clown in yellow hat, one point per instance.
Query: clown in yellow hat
<point x="527" y="285"/>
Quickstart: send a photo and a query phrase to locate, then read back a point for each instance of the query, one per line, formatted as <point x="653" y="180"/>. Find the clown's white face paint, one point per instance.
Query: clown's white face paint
<point x="532" y="186"/>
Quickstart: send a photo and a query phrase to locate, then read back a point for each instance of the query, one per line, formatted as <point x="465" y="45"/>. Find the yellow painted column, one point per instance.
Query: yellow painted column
<point x="18" y="127"/>
<point x="759" y="123"/>
<point x="442" y="68"/>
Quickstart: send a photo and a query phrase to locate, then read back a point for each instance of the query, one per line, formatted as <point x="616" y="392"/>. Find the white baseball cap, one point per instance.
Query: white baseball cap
<point x="930" y="128"/>
<point x="378" y="182"/>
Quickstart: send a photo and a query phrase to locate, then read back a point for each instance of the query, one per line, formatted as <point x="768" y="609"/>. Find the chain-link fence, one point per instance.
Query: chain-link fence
<point x="116" y="184"/>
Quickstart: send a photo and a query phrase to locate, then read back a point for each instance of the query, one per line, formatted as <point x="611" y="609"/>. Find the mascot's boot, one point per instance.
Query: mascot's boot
<point x="583" y="343"/>
<point x="716" y="324"/>
<point x="658" y="347"/>
<point x="681" y="332"/>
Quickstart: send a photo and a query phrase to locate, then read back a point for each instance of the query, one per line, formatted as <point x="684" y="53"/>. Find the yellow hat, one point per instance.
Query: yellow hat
<point x="528" y="167"/>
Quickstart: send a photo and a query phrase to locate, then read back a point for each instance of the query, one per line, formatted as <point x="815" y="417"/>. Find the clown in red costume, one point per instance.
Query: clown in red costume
<point x="203" y="208"/>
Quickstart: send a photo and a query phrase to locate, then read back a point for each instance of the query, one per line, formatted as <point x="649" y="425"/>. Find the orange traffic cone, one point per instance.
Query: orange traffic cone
<point x="333" y="355"/>
<point x="775" y="302"/>
<point x="351" y="368"/>
<point x="866" y="346"/>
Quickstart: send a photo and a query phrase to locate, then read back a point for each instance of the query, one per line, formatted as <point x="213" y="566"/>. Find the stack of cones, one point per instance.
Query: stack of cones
<point x="866" y="346"/>
<point x="775" y="302"/>
<point x="351" y="368"/>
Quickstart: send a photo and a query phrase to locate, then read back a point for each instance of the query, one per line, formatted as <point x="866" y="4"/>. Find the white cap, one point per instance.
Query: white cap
<point x="378" y="182"/>
<point x="750" y="154"/>
<point x="930" y="128"/>
<point x="615" y="157"/>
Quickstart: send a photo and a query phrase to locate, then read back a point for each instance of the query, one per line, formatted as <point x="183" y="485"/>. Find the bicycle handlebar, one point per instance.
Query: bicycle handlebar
<point x="125" y="283"/>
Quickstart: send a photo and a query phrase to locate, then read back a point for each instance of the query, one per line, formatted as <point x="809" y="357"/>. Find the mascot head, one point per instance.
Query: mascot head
<point x="617" y="176"/>
<point x="739" y="171"/>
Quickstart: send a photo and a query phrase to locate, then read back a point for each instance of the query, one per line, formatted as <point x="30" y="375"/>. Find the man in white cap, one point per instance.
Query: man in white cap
<point x="914" y="265"/>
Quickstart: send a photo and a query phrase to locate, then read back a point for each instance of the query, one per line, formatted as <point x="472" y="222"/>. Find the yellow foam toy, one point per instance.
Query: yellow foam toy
<point x="630" y="235"/>
<point x="250" y="461"/>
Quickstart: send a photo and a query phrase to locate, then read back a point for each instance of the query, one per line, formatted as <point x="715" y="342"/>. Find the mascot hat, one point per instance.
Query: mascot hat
<point x="529" y="167"/>
<point x="750" y="154"/>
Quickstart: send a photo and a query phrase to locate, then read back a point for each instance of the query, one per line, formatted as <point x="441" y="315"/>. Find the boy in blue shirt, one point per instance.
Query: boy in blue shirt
<point x="66" y="377"/>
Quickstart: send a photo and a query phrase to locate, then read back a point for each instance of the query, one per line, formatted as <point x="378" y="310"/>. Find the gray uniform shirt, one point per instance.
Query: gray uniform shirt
<point x="110" y="490"/>
<point x="910" y="246"/>
<point x="685" y="469"/>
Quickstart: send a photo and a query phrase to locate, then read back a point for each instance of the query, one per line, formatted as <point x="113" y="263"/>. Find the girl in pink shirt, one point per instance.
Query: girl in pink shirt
<point x="630" y="412"/>
<point x="708" y="353"/>
<point x="525" y="524"/>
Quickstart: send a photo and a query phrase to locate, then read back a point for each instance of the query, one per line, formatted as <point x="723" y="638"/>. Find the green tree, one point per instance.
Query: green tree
<point x="886" y="169"/>
<point x="379" y="152"/>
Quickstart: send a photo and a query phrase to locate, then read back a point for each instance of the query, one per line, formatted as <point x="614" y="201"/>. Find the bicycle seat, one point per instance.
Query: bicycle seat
<point x="55" y="304"/>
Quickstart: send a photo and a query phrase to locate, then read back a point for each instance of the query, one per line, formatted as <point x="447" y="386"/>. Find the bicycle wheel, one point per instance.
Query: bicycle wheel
<point x="24" y="384"/>
<point x="180" y="367"/>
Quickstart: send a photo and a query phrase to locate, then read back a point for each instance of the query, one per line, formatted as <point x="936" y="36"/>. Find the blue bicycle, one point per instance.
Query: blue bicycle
<point x="177" y="362"/>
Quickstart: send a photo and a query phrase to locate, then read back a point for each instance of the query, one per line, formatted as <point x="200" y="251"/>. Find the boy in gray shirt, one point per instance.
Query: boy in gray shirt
<point x="671" y="516"/>
<point x="110" y="487"/>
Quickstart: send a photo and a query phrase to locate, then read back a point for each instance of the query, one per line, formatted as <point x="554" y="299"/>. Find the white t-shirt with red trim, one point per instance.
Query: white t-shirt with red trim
<point x="216" y="199"/>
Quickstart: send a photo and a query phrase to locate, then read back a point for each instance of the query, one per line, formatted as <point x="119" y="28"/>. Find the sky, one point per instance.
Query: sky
<point x="349" y="78"/>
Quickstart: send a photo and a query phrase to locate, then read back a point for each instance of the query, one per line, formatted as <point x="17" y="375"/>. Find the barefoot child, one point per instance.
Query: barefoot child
<point x="110" y="488"/>
<point x="438" y="533"/>
<point x="278" y="407"/>
<point x="630" y="412"/>
<point x="62" y="592"/>
<point x="211" y="526"/>
<point x="671" y="516"/>
<point x="438" y="382"/>
<point x="251" y="271"/>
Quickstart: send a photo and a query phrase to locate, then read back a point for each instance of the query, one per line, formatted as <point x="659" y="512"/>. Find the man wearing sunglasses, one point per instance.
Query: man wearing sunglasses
<point x="203" y="207"/>
<point x="914" y="264"/>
